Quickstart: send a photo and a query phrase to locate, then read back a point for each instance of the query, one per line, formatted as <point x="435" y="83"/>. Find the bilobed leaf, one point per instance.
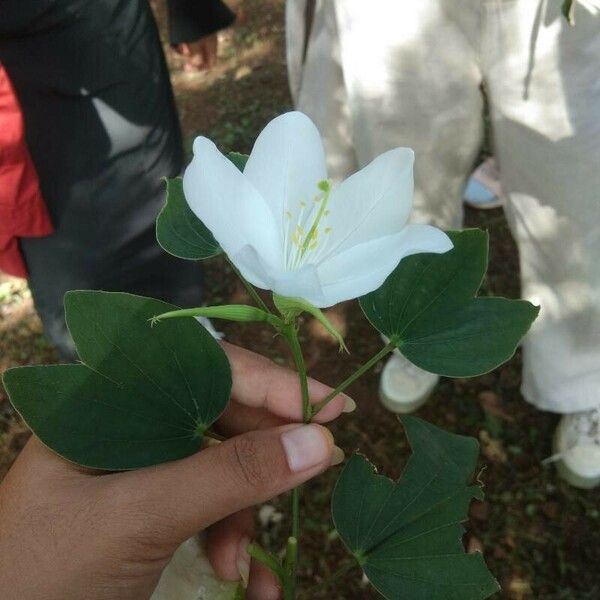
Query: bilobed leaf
<point x="427" y="306"/>
<point x="143" y="395"/>
<point x="470" y="340"/>
<point x="178" y="230"/>
<point x="238" y="159"/>
<point x="407" y="535"/>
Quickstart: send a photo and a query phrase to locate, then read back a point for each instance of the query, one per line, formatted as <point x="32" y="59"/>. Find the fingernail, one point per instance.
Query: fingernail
<point x="243" y="560"/>
<point x="306" y="446"/>
<point x="349" y="404"/>
<point x="337" y="456"/>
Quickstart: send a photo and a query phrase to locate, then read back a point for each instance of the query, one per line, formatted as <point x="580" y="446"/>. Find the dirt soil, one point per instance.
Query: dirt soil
<point x="540" y="537"/>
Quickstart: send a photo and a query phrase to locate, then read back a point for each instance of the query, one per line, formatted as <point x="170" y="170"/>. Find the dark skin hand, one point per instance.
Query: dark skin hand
<point x="68" y="533"/>
<point x="200" y="55"/>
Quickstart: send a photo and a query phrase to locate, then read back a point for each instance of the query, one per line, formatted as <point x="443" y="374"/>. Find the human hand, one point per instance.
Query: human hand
<point x="199" y="55"/>
<point x="68" y="533"/>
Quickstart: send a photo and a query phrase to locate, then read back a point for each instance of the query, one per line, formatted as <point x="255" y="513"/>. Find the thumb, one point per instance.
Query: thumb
<point x="220" y="480"/>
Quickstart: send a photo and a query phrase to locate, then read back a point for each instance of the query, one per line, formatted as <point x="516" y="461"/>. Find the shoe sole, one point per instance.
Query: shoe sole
<point x="574" y="479"/>
<point x="404" y="407"/>
<point x="569" y="475"/>
<point x="484" y="205"/>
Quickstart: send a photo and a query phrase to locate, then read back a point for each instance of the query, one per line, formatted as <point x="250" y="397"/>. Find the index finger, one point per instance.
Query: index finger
<point x="260" y="383"/>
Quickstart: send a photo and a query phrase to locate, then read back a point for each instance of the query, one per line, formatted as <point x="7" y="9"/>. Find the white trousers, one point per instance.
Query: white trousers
<point x="384" y="73"/>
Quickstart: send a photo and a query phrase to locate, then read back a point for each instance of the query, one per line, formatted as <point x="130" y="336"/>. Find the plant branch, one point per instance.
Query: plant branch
<point x="291" y="335"/>
<point x="358" y="373"/>
<point x="289" y="331"/>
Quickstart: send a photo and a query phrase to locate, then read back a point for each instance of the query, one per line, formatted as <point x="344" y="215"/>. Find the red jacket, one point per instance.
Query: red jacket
<point x="22" y="209"/>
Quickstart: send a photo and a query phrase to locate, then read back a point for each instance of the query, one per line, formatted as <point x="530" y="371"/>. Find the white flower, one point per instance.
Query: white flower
<point x="287" y="229"/>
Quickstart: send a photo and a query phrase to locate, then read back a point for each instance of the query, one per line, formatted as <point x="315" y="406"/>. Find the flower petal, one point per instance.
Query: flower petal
<point x="372" y="203"/>
<point x="302" y="283"/>
<point x="364" y="267"/>
<point x="229" y="205"/>
<point x="251" y="267"/>
<point x="286" y="164"/>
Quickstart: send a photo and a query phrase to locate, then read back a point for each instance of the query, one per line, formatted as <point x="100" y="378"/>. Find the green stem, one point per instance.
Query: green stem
<point x="358" y="373"/>
<point x="214" y="436"/>
<point x="291" y="336"/>
<point x="291" y="562"/>
<point x="250" y="288"/>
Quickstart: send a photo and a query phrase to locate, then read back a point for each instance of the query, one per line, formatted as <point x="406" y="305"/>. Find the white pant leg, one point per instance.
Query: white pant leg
<point x="412" y="78"/>
<point x="544" y="81"/>
<point x="317" y="82"/>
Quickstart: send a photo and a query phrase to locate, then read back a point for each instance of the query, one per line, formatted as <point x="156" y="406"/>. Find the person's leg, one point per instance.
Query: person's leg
<point x="543" y="78"/>
<point x="546" y="118"/>
<point x="379" y="75"/>
<point x="102" y="130"/>
<point x="317" y="81"/>
<point x="412" y="77"/>
<point x="397" y="74"/>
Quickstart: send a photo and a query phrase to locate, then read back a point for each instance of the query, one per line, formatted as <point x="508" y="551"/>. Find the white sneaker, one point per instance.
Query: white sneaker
<point x="403" y="387"/>
<point x="577" y="448"/>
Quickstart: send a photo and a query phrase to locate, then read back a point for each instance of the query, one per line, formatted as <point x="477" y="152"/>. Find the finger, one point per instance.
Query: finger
<point x="239" y="418"/>
<point x="263" y="584"/>
<point x="226" y="548"/>
<point x="226" y="543"/>
<point x="260" y="383"/>
<point x="195" y="492"/>
<point x="182" y="49"/>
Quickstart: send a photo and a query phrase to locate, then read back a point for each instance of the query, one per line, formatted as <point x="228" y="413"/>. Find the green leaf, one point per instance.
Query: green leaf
<point x="142" y="396"/>
<point x="407" y="535"/>
<point x="427" y="307"/>
<point x="178" y="230"/>
<point x="238" y="159"/>
<point x="470" y="340"/>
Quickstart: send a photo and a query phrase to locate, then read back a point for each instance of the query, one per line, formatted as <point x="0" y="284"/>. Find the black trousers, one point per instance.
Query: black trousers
<point x="102" y="130"/>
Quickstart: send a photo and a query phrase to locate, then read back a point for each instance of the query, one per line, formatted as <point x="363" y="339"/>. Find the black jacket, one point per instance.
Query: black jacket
<point x="190" y="20"/>
<point x="102" y="130"/>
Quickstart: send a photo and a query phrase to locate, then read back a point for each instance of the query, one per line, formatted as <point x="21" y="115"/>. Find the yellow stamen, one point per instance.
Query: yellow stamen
<point x="325" y="187"/>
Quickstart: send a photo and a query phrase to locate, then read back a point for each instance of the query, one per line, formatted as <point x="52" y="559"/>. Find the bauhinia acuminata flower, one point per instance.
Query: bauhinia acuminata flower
<point x="288" y="229"/>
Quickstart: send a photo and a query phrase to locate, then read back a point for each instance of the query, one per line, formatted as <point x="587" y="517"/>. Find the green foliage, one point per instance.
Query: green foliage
<point x="406" y="535"/>
<point x="178" y="230"/>
<point x="238" y="159"/>
<point x="142" y="396"/>
<point x="427" y="306"/>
